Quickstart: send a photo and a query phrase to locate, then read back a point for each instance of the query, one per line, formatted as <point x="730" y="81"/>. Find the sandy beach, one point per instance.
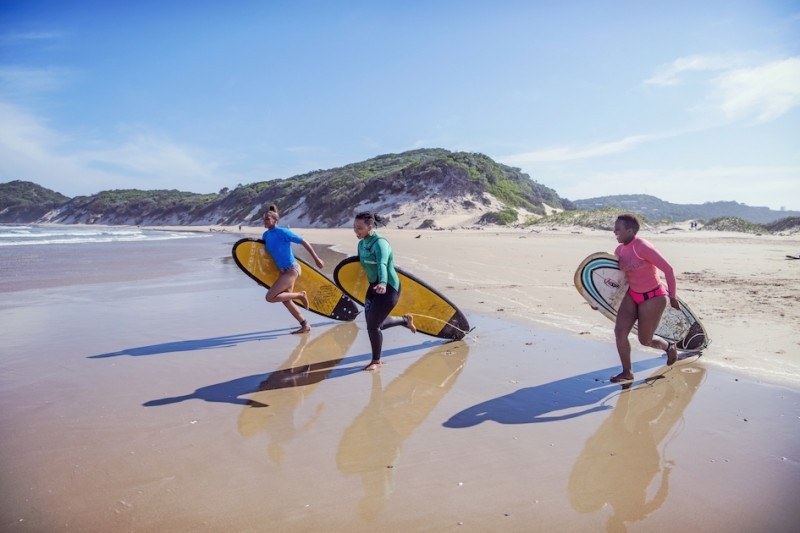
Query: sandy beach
<point x="151" y="388"/>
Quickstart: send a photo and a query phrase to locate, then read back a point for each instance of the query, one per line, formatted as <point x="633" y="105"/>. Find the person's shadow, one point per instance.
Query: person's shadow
<point x="539" y="403"/>
<point x="620" y="461"/>
<point x="233" y="390"/>
<point x="225" y="341"/>
<point x="371" y="444"/>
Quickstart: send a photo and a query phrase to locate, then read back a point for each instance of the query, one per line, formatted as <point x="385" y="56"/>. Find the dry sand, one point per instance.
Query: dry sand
<point x="181" y="403"/>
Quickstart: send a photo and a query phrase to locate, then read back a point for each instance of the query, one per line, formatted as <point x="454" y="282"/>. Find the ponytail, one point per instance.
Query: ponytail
<point x="373" y="219"/>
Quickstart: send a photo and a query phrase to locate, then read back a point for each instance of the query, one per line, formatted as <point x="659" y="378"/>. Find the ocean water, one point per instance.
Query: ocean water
<point x="27" y="235"/>
<point x="41" y="257"/>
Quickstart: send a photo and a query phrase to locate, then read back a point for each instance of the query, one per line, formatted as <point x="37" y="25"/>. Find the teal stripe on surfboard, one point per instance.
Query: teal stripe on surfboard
<point x="588" y="283"/>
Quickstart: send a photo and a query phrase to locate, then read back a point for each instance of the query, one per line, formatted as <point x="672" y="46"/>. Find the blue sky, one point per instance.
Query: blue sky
<point x="687" y="101"/>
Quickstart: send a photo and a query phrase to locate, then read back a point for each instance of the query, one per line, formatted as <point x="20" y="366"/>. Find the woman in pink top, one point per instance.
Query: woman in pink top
<point x="646" y="298"/>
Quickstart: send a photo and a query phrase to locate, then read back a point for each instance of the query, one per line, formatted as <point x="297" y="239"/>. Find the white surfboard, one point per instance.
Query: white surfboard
<point x="603" y="285"/>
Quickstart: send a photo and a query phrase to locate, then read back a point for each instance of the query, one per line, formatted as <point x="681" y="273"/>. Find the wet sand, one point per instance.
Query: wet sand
<point x="182" y="403"/>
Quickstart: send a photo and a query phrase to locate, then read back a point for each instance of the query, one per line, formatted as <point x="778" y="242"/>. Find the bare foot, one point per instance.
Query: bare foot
<point x="304" y="299"/>
<point x="410" y="323"/>
<point x="672" y="353"/>
<point x="374" y="365"/>
<point x="622" y="376"/>
<point x="305" y="328"/>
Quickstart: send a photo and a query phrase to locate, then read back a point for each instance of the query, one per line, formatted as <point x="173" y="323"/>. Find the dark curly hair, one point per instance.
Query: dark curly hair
<point x="630" y="220"/>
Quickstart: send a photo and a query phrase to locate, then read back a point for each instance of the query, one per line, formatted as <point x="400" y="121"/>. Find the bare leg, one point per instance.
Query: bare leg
<point x="650" y="312"/>
<point x="626" y="318"/>
<point x="282" y="291"/>
<point x="295" y="312"/>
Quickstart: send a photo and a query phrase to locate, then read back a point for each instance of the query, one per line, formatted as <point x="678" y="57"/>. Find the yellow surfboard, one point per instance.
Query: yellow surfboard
<point x="324" y="297"/>
<point x="433" y="313"/>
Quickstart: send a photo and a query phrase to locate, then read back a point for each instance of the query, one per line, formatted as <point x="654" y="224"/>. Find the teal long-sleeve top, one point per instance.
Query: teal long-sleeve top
<point x="376" y="258"/>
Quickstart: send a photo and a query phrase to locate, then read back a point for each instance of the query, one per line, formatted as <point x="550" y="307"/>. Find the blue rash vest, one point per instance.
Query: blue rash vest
<point x="278" y="243"/>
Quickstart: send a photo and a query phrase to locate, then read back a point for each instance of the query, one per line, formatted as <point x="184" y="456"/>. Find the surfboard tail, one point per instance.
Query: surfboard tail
<point x="433" y="313"/>
<point x="695" y="339"/>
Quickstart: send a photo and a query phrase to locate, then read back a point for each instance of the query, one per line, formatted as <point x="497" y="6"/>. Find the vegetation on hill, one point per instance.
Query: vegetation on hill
<point x="506" y="217"/>
<point x="657" y="209"/>
<point x="23" y="201"/>
<point x="602" y="219"/>
<point x="787" y="225"/>
<point x="331" y="196"/>
<point x="734" y="224"/>
<point x="133" y="206"/>
<point x="322" y="197"/>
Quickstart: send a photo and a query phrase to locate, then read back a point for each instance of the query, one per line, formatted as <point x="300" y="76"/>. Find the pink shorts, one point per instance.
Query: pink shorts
<point x="639" y="297"/>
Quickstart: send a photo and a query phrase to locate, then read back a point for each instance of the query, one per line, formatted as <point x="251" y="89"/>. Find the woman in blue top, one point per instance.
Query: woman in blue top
<point x="278" y="243"/>
<point x="377" y="260"/>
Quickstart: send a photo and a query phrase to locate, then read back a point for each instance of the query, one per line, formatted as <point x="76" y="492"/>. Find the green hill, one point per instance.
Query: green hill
<point x="657" y="209"/>
<point x="734" y="224"/>
<point x="330" y="196"/>
<point x="602" y="219"/>
<point x="327" y="198"/>
<point x="23" y="201"/>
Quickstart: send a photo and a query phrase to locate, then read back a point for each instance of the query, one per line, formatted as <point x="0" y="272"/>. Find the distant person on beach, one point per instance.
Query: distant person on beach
<point x="278" y="243"/>
<point x="646" y="298"/>
<point x="383" y="293"/>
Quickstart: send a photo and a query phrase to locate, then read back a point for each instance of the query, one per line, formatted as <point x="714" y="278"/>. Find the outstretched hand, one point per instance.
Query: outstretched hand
<point x="675" y="304"/>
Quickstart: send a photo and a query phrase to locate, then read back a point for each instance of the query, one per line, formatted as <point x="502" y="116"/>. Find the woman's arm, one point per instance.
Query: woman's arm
<point x="382" y="252"/>
<point x="320" y="263"/>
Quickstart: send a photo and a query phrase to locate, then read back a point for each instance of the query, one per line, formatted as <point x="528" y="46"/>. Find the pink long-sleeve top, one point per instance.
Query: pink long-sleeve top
<point x="641" y="261"/>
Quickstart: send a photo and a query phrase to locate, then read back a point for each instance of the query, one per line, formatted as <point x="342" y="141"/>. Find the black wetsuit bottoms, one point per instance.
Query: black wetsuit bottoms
<point x="376" y="310"/>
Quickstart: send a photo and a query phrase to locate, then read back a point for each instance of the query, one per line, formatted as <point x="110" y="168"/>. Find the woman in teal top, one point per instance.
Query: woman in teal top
<point x="278" y="244"/>
<point x="377" y="260"/>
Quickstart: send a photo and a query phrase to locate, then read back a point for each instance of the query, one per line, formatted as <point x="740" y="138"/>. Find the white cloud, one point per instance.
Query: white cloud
<point x="766" y="92"/>
<point x="673" y="73"/>
<point x="146" y="155"/>
<point x="23" y="134"/>
<point x="571" y="153"/>
<point x="30" y="150"/>
<point x="740" y="89"/>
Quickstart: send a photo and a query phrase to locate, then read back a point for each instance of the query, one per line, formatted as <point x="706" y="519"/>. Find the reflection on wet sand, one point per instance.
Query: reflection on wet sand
<point x="370" y="446"/>
<point x="272" y="408"/>
<point x="622" y="459"/>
